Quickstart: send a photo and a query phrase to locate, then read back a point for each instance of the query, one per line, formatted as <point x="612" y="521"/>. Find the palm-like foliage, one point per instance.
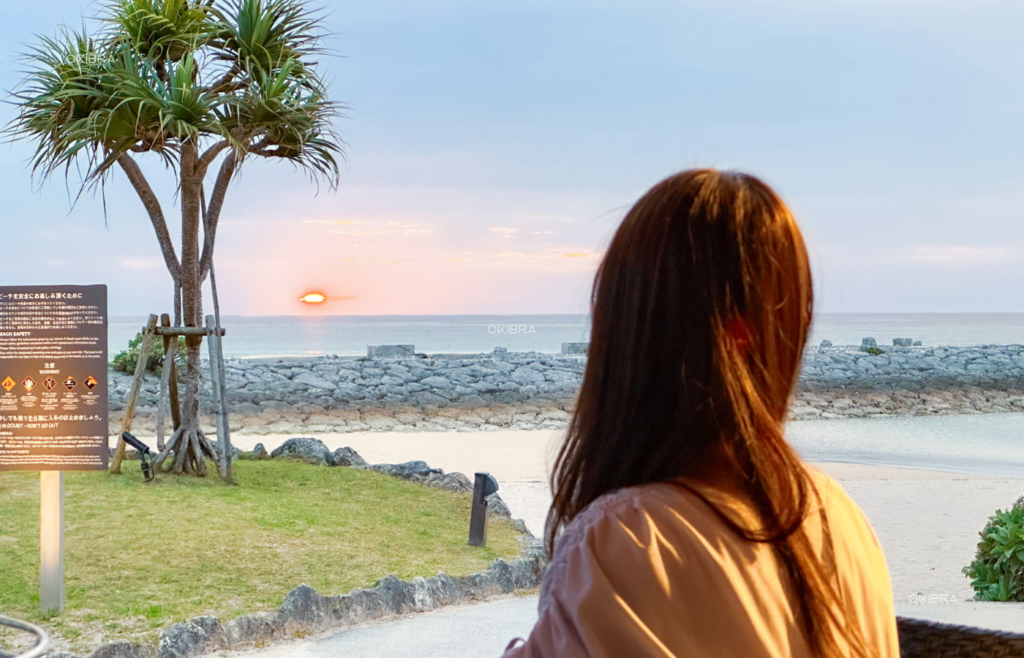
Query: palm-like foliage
<point x="189" y="81"/>
<point x="161" y="30"/>
<point x="164" y="72"/>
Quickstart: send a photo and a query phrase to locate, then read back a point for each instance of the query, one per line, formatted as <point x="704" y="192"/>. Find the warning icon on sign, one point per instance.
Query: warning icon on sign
<point x="29" y="384"/>
<point x="8" y="384"/>
<point x="49" y="383"/>
<point x="90" y="382"/>
<point x="69" y="383"/>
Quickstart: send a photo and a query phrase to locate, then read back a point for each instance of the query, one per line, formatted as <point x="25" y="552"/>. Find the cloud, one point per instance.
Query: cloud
<point x="140" y="263"/>
<point x="505" y="233"/>
<point x="371" y="227"/>
<point x="959" y="255"/>
<point x="386" y="228"/>
<point x="557" y="257"/>
<point x="378" y="261"/>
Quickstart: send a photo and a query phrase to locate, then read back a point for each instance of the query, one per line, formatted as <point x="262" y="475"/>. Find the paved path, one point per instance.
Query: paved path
<point x="479" y="630"/>
<point x="483" y="630"/>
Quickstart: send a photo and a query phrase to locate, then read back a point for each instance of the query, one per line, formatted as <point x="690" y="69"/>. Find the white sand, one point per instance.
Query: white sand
<point x="928" y="522"/>
<point x="508" y="455"/>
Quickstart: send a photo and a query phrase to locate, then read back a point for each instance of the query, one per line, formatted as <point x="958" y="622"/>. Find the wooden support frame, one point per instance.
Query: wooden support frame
<point x="185" y="331"/>
<point x="169" y="392"/>
<point x="220" y="398"/>
<point x="148" y="333"/>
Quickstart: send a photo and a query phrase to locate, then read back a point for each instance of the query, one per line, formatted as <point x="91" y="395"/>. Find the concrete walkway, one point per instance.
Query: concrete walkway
<point x="483" y="630"/>
<point x="479" y="630"/>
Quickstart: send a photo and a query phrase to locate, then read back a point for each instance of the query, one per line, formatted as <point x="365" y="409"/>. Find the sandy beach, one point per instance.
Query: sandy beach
<point x="927" y="521"/>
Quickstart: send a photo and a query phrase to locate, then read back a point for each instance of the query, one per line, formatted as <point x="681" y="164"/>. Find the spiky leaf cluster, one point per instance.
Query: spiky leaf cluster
<point x="159" y="73"/>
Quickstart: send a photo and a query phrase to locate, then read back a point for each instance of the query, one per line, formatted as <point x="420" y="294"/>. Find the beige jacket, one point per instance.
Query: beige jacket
<point x="652" y="571"/>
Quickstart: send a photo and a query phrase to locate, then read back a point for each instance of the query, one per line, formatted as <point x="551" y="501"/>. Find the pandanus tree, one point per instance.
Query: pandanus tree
<point x="204" y="85"/>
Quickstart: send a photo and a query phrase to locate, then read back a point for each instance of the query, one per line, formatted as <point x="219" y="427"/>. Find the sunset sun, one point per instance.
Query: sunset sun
<point x="313" y="298"/>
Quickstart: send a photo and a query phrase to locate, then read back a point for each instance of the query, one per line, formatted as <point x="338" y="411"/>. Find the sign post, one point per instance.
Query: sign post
<point x="53" y="402"/>
<point x="51" y="541"/>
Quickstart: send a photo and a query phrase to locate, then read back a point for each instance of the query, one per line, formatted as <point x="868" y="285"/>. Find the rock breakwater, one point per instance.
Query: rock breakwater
<point x="505" y="390"/>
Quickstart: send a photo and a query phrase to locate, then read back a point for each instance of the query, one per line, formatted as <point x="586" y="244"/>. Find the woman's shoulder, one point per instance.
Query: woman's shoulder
<point x="609" y="523"/>
<point x="598" y="512"/>
<point x="686" y="509"/>
<point x="845" y="516"/>
<point x="644" y="530"/>
<point x="629" y="513"/>
<point x="838" y="505"/>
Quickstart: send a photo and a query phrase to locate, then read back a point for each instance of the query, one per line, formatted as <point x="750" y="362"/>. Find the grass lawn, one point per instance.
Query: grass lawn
<point x="139" y="557"/>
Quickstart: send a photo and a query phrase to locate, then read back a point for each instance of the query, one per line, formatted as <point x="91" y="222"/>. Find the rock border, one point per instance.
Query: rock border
<point x="304" y="610"/>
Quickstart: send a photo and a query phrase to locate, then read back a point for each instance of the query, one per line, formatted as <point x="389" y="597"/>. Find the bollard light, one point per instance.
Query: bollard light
<point x="484" y="486"/>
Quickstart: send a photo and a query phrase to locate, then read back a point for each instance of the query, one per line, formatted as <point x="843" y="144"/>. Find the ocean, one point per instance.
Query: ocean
<point x="989" y="444"/>
<point x="473" y="334"/>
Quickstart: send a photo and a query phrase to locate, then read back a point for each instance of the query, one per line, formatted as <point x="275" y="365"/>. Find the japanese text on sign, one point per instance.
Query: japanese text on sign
<point x="53" y="377"/>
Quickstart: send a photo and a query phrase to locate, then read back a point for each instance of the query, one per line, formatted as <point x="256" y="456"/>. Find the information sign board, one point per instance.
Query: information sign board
<point x="53" y="378"/>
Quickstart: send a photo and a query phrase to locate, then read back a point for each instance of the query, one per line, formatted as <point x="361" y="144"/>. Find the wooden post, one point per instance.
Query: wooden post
<point x="129" y="412"/>
<point x="165" y="373"/>
<point x="168" y="384"/>
<point x="51" y="541"/>
<point x="219" y="399"/>
<point x="173" y="386"/>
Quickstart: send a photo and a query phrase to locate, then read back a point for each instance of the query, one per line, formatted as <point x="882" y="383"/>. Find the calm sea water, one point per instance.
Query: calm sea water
<point x="991" y="444"/>
<point x="349" y="335"/>
<point x="929" y="328"/>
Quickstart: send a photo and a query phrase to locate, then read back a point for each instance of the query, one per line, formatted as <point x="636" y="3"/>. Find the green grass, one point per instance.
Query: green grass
<point x="139" y="557"/>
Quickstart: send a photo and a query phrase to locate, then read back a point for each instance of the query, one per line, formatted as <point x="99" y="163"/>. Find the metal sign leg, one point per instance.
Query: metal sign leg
<point x="51" y="541"/>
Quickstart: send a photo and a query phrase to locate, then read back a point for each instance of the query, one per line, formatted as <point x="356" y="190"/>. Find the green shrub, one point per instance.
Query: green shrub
<point x="997" y="573"/>
<point x="873" y="351"/>
<point x="126" y="360"/>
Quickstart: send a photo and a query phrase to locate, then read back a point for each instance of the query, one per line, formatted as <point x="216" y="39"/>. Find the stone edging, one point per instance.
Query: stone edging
<point x="304" y="610"/>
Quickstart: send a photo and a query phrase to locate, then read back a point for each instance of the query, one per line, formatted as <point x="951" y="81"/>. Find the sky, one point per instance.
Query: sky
<point x="493" y="148"/>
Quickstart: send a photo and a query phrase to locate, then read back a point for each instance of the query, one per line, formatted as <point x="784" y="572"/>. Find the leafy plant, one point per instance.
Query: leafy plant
<point x="126" y="360"/>
<point x="997" y="572"/>
<point x="873" y="351"/>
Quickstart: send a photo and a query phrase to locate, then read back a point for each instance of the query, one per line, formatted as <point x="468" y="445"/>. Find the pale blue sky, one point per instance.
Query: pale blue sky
<point x="495" y="146"/>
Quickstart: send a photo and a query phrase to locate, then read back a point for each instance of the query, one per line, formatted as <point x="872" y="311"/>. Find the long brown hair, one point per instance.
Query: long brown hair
<point x="699" y="316"/>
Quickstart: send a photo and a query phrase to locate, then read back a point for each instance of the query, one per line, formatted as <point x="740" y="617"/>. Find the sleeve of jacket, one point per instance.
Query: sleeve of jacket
<point x="602" y="584"/>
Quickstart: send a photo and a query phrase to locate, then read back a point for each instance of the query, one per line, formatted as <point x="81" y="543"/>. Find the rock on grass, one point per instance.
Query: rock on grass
<point x="348" y="457"/>
<point x="309" y="450"/>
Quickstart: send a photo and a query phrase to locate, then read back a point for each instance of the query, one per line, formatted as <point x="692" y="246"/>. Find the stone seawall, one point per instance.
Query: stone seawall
<point x="331" y="394"/>
<point x="506" y="390"/>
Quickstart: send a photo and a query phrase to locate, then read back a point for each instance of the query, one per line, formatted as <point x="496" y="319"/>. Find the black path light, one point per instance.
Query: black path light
<point x="484" y="487"/>
<point x="144" y="452"/>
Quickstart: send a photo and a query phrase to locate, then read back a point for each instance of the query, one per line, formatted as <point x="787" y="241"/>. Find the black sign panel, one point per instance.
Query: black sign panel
<point x="53" y="378"/>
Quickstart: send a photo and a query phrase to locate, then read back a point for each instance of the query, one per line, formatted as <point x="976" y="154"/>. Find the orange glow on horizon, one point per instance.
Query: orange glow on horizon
<point x="313" y="298"/>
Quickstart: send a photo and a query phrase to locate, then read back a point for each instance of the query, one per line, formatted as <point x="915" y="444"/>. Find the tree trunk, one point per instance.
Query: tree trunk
<point x="190" y="290"/>
<point x="189" y="444"/>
